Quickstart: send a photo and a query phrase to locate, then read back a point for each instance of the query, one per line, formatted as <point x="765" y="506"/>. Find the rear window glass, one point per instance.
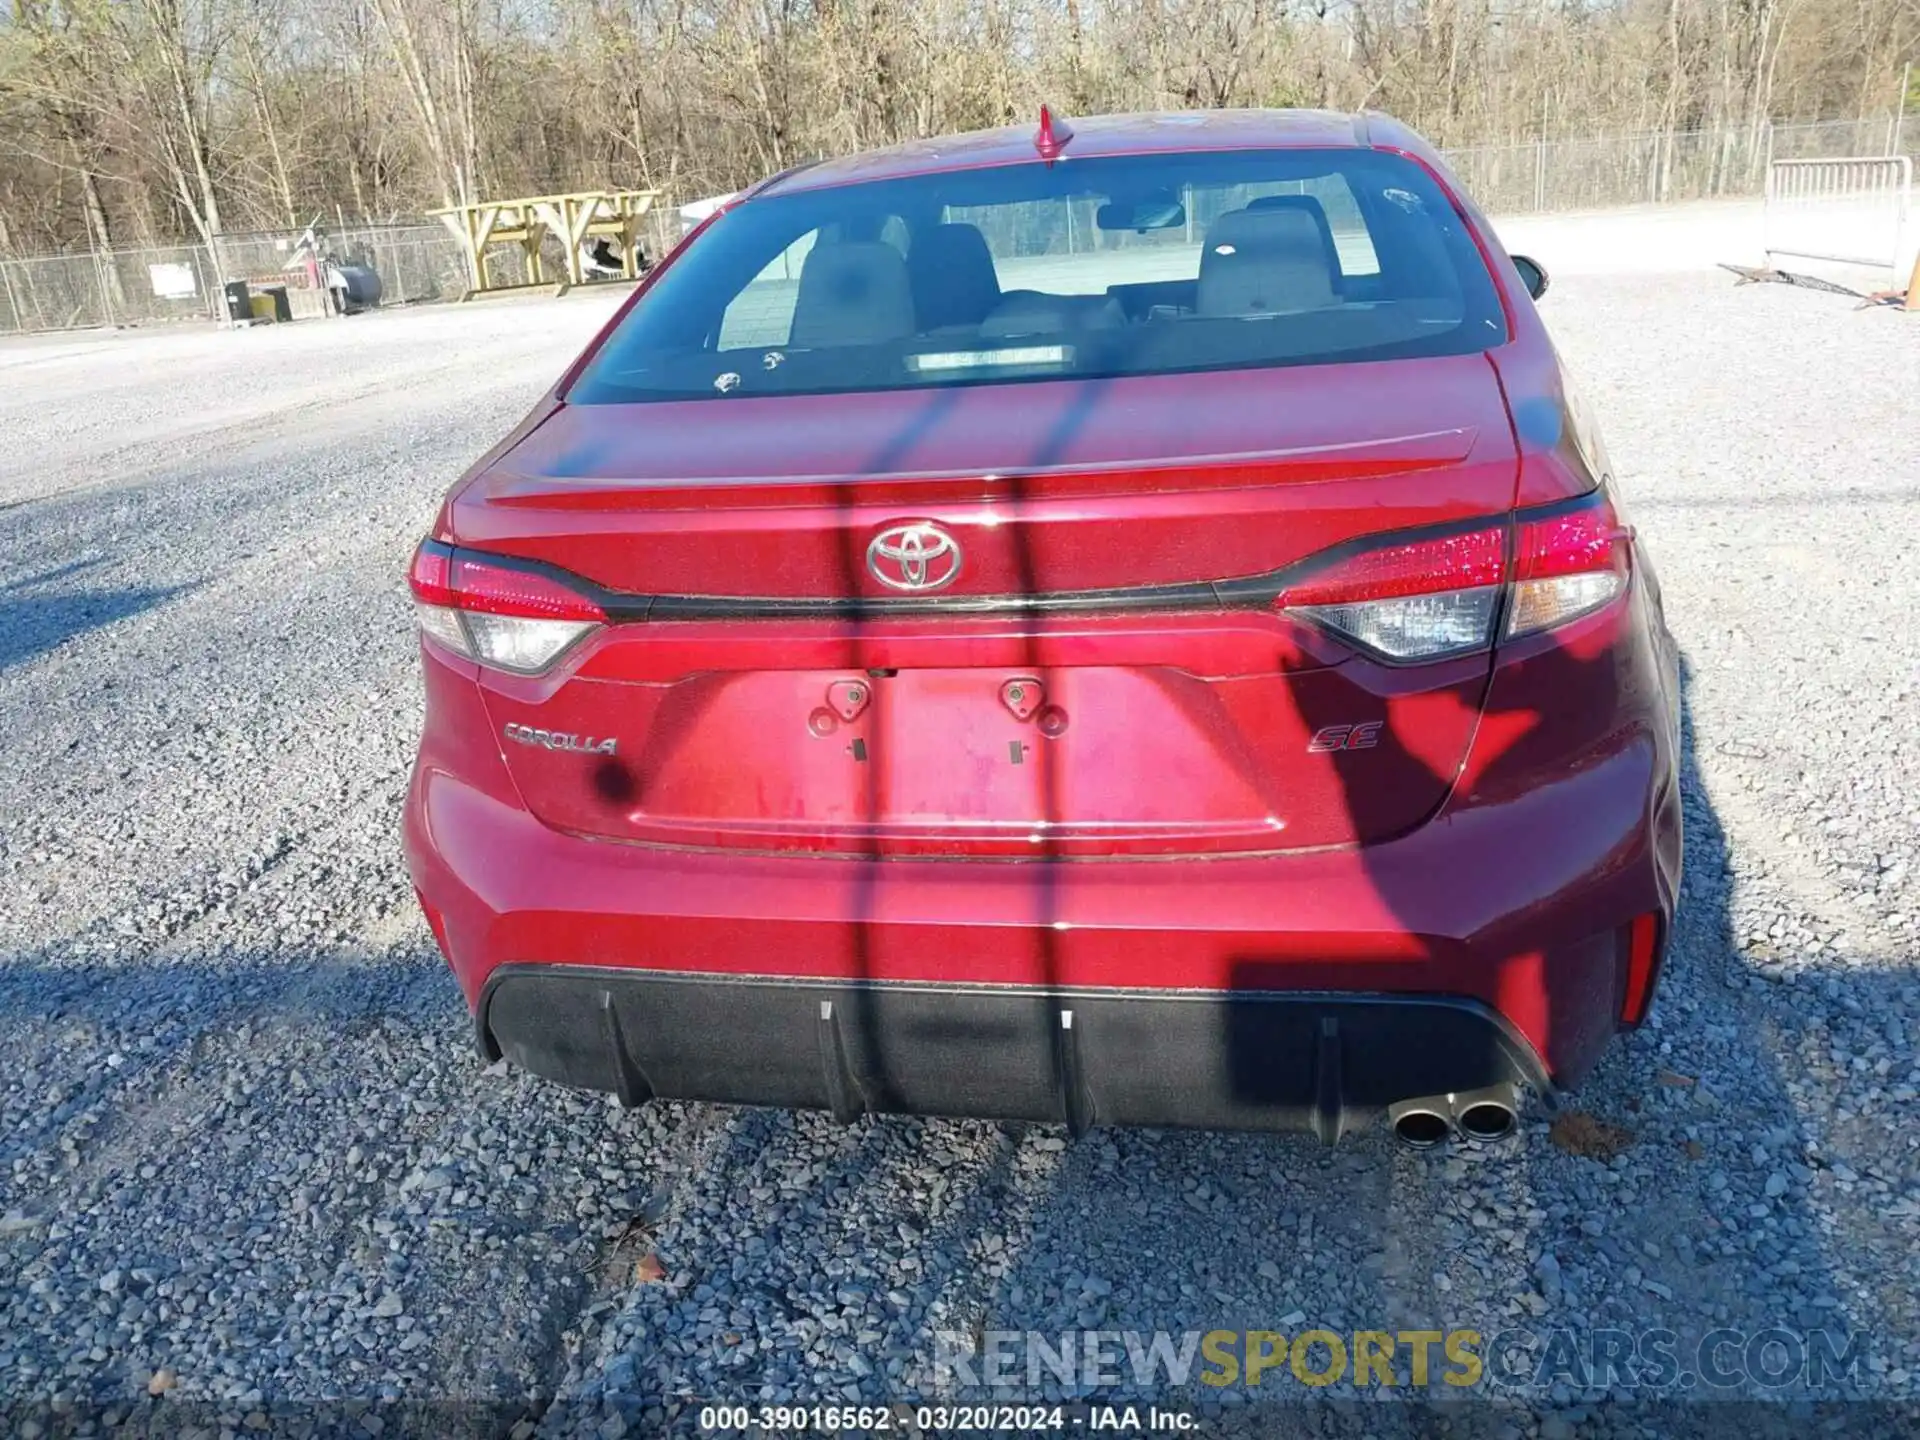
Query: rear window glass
<point x="1130" y="265"/>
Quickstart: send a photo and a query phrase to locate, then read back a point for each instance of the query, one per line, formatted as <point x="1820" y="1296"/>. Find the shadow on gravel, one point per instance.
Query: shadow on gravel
<point x="1683" y="1242"/>
<point x="30" y="625"/>
<point x="304" y="985"/>
<point x="153" y="1015"/>
<point x="202" y="1122"/>
<point x="58" y="572"/>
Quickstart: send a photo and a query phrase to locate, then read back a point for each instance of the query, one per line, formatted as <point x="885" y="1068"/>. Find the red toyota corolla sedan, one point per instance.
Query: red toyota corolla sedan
<point x="1116" y="625"/>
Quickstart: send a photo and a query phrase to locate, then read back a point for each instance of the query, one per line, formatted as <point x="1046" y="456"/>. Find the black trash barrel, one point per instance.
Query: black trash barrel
<point x="239" y="302"/>
<point x="282" y="306"/>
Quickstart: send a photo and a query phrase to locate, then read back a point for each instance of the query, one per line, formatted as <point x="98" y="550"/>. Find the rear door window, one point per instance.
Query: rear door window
<point x="1133" y="265"/>
<point x="762" y="314"/>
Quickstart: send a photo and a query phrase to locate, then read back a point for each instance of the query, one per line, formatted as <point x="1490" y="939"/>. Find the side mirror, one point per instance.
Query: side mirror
<point x="1533" y="275"/>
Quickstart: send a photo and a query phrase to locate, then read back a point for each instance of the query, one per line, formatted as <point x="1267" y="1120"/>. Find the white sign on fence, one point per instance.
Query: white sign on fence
<point x="173" y="281"/>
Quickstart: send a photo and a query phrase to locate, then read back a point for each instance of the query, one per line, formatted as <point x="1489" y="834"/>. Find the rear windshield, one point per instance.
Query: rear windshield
<point x="1130" y="265"/>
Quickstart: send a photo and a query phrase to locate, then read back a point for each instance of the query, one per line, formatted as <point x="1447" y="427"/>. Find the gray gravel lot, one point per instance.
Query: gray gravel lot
<point x="249" y="1163"/>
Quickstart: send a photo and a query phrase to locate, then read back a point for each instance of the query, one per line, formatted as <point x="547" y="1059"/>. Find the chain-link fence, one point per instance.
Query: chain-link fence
<point x="1660" y="168"/>
<point x="421" y="261"/>
<point x="416" y="262"/>
<point x="183" y="282"/>
<point x="70" y="292"/>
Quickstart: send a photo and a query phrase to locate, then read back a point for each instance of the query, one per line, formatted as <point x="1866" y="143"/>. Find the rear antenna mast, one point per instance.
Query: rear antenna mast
<point x="1052" y="136"/>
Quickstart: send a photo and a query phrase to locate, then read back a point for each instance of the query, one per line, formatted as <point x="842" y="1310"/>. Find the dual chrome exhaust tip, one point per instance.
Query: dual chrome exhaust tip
<point x="1476" y="1115"/>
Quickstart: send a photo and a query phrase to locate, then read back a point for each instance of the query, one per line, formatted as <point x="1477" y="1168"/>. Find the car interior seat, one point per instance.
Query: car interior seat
<point x="852" y="292"/>
<point x="952" y="277"/>
<point x="1268" y="260"/>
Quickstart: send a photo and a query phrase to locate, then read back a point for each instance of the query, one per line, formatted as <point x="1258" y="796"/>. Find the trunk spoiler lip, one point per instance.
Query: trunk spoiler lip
<point x="1250" y="592"/>
<point x="1372" y="458"/>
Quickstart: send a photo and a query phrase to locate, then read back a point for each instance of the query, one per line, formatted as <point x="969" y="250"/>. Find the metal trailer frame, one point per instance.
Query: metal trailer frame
<point x="1873" y="188"/>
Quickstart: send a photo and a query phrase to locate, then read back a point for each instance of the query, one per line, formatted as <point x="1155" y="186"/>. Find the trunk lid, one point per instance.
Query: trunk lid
<point x="1077" y="687"/>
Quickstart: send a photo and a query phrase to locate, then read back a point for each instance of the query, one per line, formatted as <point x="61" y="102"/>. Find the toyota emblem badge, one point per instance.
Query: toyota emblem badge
<point x="918" y="556"/>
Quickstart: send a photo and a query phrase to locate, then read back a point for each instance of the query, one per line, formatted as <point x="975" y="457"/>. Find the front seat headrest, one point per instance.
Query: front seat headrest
<point x="852" y="292"/>
<point x="1269" y="261"/>
<point x="951" y="271"/>
<point x="1311" y="206"/>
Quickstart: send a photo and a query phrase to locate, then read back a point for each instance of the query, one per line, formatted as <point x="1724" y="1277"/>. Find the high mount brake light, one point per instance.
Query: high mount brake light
<point x="1426" y="597"/>
<point x="504" y="617"/>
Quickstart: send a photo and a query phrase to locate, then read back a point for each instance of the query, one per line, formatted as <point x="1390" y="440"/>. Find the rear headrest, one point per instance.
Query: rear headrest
<point x="852" y="292"/>
<point x="1270" y="261"/>
<point x="951" y="271"/>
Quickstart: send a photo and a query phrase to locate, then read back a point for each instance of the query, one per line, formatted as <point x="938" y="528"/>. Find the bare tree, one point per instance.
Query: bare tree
<point x="153" y="118"/>
<point x="437" y="48"/>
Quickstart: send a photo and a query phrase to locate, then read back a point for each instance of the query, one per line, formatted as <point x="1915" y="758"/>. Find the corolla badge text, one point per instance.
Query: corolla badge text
<point x="559" y="740"/>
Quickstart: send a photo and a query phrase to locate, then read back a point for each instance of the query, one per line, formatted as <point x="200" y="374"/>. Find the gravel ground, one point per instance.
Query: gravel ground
<point x="250" y="1165"/>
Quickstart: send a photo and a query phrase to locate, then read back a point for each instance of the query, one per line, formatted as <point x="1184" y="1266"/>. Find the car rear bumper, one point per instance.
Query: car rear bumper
<point x="1247" y="1060"/>
<point x="1296" y="990"/>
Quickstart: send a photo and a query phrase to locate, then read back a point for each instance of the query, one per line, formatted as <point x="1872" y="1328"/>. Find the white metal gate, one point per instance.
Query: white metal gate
<point x="1847" y="212"/>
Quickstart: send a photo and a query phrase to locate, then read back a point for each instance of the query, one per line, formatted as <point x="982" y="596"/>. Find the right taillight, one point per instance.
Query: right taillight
<point x="496" y="611"/>
<point x="1421" y="597"/>
<point x="1566" y="564"/>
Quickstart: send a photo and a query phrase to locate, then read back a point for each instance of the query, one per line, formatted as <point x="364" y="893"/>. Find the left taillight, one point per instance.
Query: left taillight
<point x="1426" y="597"/>
<point x="496" y="612"/>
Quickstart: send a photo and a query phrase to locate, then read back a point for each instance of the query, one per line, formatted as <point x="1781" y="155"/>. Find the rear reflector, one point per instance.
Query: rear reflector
<point x="1431" y="596"/>
<point x="495" y="613"/>
<point x="1643" y="946"/>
